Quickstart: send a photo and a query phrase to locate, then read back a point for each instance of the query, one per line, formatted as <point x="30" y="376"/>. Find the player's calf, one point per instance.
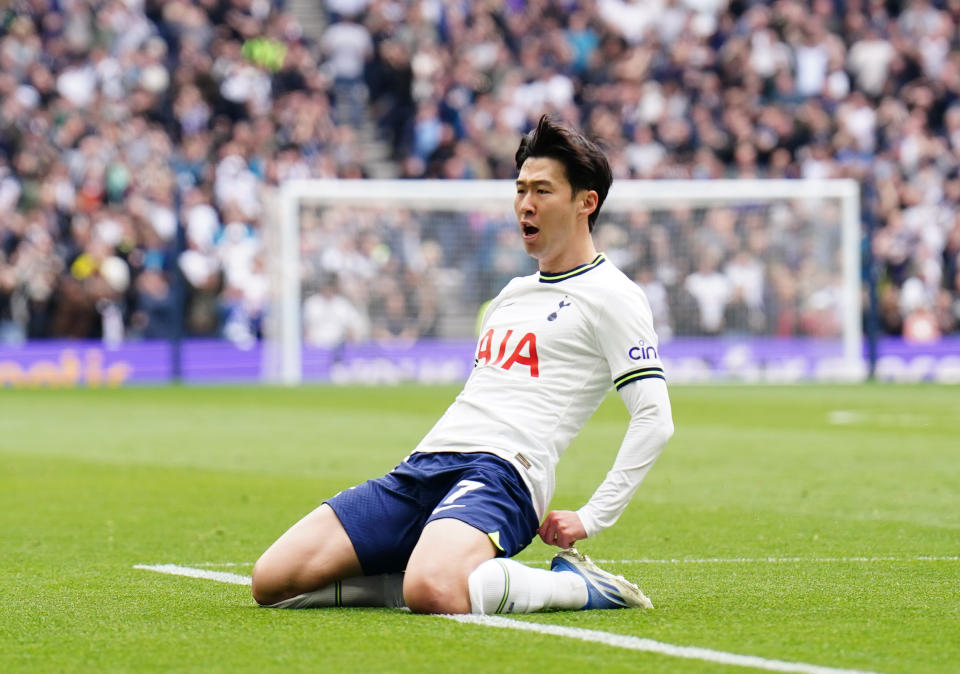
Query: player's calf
<point x="385" y="590"/>
<point x="505" y="586"/>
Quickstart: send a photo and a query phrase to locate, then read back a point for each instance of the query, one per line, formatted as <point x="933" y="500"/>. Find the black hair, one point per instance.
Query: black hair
<point x="585" y="164"/>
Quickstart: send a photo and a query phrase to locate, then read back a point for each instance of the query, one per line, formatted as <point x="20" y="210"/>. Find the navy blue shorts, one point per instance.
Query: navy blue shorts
<point x="384" y="517"/>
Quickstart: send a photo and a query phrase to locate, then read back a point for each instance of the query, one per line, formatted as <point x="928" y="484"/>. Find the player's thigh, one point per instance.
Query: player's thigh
<point x="311" y="554"/>
<point x="445" y="555"/>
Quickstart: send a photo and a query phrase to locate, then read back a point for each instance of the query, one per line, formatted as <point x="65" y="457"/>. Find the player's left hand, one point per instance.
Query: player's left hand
<point x="562" y="528"/>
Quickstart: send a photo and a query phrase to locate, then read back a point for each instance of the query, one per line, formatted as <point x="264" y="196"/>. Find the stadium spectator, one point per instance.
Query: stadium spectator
<point x="154" y="317"/>
<point x="394" y="322"/>
<point x="347" y="47"/>
<point x="330" y="319"/>
<point x="712" y="291"/>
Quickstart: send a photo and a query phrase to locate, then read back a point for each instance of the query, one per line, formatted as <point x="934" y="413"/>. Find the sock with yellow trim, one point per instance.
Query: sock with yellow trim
<point x="503" y="585"/>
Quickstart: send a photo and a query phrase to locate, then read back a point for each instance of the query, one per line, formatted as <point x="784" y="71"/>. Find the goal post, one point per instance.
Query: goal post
<point x="817" y="220"/>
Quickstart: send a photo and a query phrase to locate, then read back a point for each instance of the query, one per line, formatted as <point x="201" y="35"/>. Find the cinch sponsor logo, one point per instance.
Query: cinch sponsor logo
<point x="69" y="372"/>
<point x="643" y="352"/>
<point x="524" y="352"/>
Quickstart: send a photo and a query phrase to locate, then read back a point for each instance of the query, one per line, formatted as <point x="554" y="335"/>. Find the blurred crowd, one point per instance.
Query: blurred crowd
<point x="136" y="137"/>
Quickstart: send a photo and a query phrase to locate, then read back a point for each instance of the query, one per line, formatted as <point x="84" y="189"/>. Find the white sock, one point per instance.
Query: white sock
<point x="504" y="586"/>
<point x="383" y="590"/>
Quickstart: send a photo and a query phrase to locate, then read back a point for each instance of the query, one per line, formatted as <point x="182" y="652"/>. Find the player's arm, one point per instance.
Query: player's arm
<point x="629" y="344"/>
<point x="651" y="425"/>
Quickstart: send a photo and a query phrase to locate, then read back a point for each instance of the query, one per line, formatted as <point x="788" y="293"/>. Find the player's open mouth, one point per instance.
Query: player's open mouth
<point x="530" y="231"/>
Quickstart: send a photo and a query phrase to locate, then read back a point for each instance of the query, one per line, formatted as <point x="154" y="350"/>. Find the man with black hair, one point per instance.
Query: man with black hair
<point x="436" y="534"/>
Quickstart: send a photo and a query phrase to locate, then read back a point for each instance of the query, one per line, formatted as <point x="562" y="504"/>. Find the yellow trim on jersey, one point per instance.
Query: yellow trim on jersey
<point x="636" y="375"/>
<point x="576" y="271"/>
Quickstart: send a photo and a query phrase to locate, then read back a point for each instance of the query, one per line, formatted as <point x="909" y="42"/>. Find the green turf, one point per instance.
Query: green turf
<point x="94" y="482"/>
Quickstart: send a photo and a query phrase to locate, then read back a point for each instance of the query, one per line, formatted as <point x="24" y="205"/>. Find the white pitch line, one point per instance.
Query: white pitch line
<point x="595" y="636"/>
<point x="651" y="646"/>
<point x="175" y="570"/>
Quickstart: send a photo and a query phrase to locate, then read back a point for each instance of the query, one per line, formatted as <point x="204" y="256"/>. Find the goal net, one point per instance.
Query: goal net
<point x="748" y="280"/>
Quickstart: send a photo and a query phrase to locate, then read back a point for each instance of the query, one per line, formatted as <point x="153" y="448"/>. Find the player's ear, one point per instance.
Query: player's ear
<point x="588" y="201"/>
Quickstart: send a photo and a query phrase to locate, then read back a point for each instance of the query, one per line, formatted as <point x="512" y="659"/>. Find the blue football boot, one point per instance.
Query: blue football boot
<point x="604" y="590"/>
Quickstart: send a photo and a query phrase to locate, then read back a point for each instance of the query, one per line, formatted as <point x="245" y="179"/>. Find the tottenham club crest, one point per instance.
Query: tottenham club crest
<point x="563" y="303"/>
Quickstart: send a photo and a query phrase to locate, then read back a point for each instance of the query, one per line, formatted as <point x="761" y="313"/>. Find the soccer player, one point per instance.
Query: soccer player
<point x="437" y="533"/>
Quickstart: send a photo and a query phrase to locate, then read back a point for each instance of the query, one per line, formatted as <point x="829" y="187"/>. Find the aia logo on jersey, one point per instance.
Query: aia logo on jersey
<point x="523" y="351"/>
<point x="643" y="352"/>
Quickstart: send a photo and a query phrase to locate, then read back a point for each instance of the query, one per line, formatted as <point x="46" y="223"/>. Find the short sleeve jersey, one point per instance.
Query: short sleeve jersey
<point x="551" y="346"/>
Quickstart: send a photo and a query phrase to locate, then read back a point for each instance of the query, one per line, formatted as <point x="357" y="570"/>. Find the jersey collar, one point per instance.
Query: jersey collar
<point x="576" y="271"/>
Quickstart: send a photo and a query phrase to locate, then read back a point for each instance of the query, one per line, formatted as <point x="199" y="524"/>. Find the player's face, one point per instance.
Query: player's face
<point x="552" y="219"/>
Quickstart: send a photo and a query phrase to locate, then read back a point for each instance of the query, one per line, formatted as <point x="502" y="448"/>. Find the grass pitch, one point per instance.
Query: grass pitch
<point x="812" y="524"/>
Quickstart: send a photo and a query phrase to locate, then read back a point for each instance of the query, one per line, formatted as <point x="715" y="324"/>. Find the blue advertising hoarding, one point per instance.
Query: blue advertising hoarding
<point x="92" y="364"/>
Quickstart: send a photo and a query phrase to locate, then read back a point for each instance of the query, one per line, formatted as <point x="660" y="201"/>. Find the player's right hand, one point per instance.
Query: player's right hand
<point x="562" y="528"/>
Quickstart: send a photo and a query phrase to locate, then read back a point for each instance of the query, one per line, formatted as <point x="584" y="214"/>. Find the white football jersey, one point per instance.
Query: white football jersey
<point x="550" y="348"/>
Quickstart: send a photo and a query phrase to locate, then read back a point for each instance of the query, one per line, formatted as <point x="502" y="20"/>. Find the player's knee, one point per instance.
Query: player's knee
<point x="437" y="592"/>
<point x="260" y="585"/>
<point x="267" y="583"/>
